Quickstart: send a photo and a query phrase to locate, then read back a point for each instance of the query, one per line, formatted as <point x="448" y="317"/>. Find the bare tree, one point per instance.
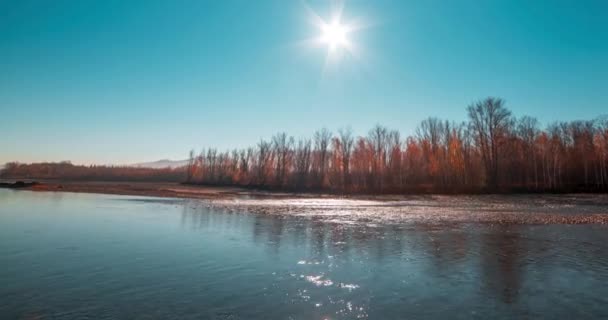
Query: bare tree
<point x="429" y="134"/>
<point x="302" y="162"/>
<point x="263" y="162"/>
<point x="322" y="139"/>
<point x="489" y="120"/>
<point x="393" y="145"/>
<point x="190" y="166"/>
<point x="346" y="144"/>
<point x="528" y="131"/>
<point x="378" y="138"/>
<point x="282" y="148"/>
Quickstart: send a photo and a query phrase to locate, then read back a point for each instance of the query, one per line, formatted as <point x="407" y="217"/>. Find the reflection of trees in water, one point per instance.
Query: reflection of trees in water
<point x="502" y="253"/>
<point x="275" y="235"/>
<point x="297" y="233"/>
<point x="451" y="251"/>
<point x="192" y="216"/>
<point x="197" y="216"/>
<point x="317" y="238"/>
<point x="447" y="244"/>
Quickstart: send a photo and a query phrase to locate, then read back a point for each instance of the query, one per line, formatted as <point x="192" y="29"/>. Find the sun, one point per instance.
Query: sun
<point x="334" y="35"/>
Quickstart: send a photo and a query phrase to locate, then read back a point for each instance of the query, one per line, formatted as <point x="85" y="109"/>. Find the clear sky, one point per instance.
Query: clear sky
<point x="131" y="81"/>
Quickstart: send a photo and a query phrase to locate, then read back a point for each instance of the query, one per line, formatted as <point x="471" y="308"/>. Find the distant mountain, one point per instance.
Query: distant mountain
<point x="161" y="164"/>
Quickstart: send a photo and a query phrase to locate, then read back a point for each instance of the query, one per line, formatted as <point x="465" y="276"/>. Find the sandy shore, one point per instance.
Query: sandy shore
<point x="151" y="189"/>
<point x="178" y="190"/>
<point x="499" y="209"/>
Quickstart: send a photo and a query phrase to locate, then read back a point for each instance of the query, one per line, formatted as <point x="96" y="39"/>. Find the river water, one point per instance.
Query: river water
<point x="76" y="256"/>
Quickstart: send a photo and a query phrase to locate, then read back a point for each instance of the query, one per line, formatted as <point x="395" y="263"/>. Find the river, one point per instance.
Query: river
<point x="75" y="256"/>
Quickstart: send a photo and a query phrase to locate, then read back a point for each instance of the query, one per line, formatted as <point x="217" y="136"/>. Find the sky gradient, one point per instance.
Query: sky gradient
<point x="131" y="81"/>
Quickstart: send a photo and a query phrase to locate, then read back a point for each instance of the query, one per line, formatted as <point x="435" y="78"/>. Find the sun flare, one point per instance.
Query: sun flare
<point x="334" y="35"/>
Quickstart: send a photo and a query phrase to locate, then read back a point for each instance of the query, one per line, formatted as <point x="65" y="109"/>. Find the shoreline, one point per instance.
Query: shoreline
<point x="132" y="188"/>
<point x="206" y="192"/>
<point x="197" y="191"/>
<point x="175" y="190"/>
<point x="502" y="209"/>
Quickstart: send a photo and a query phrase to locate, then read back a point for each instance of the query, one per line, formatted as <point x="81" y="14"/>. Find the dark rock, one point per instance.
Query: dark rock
<point x="18" y="184"/>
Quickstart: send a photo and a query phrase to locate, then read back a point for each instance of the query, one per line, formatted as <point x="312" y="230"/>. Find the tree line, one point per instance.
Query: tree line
<point x="68" y="171"/>
<point x="492" y="151"/>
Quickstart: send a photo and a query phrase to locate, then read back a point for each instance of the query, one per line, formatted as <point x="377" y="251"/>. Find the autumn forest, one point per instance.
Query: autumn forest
<point x="493" y="151"/>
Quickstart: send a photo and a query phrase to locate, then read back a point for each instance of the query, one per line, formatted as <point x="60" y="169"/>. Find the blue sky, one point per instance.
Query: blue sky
<point x="130" y="81"/>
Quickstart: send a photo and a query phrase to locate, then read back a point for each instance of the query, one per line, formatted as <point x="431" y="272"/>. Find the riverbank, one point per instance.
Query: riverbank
<point x="398" y="209"/>
<point x="181" y="190"/>
<point x="151" y="189"/>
